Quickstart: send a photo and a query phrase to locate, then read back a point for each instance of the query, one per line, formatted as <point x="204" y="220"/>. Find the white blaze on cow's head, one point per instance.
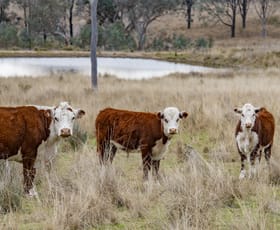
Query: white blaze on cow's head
<point x="248" y="115"/>
<point x="64" y="116"/>
<point x="170" y="118"/>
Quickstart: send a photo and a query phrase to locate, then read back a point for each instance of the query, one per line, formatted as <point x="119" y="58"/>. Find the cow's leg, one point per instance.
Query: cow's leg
<point x="253" y="156"/>
<point x="101" y="150"/>
<point x="113" y="151"/>
<point x="242" y="170"/>
<point x="267" y="153"/>
<point x="155" y="168"/>
<point x="146" y="160"/>
<point x="29" y="172"/>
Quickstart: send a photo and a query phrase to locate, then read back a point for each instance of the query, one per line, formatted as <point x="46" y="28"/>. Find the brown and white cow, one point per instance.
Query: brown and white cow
<point x="254" y="135"/>
<point x="129" y="130"/>
<point x="24" y="128"/>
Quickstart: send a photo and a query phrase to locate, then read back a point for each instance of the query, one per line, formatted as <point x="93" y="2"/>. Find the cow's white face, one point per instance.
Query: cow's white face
<point x="170" y="118"/>
<point x="64" y="116"/>
<point x="248" y="115"/>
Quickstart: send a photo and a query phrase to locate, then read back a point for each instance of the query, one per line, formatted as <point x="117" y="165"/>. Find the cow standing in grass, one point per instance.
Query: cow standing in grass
<point x="254" y="135"/>
<point x="23" y="129"/>
<point x="129" y="130"/>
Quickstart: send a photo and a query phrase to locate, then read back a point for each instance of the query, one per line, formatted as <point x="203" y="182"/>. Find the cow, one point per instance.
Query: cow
<point x="254" y="135"/>
<point x="130" y="130"/>
<point x="24" y="128"/>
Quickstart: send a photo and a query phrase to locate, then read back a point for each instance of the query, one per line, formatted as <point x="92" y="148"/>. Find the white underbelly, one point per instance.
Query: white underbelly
<point x="17" y="157"/>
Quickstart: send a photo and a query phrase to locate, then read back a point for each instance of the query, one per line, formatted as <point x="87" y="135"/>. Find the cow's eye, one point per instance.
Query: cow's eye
<point x="177" y="120"/>
<point x="165" y="120"/>
<point x="56" y="119"/>
<point x="242" y="115"/>
<point x="73" y="118"/>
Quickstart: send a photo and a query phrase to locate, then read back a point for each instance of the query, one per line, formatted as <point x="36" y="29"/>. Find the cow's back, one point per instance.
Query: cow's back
<point x="267" y="128"/>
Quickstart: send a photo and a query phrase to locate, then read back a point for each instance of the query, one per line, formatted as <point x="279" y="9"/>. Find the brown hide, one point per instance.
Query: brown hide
<point x="23" y="128"/>
<point x="129" y="129"/>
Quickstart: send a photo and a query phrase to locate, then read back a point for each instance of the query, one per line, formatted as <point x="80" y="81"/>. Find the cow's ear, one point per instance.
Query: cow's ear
<point x="238" y="110"/>
<point x="257" y="109"/>
<point x="47" y="113"/>
<point x="183" y="114"/>
<point x="160" y="115"/>
<point x="80" y="113"/>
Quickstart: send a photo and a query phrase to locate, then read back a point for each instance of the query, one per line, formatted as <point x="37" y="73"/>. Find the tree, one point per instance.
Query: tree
<point x="4" y="4"/>
<point x="189" y="5"/>
<point x="264" y="9"/>
<point x="243" y="8"/>
<point x="223" y="11"/>
<point x="94" y="43"/>
<point x="44" y="17"/>
<point x="139" y="14"/>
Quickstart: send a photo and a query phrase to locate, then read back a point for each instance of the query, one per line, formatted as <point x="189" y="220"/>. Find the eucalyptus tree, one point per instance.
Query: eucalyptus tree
<point x="139" y="14"/>
<point x="244" y="8"/>
<point x="4" y="5"/>
<point x="223" y="11"/>
<point x="189" y="6"/>
<point x="264" y="9"/>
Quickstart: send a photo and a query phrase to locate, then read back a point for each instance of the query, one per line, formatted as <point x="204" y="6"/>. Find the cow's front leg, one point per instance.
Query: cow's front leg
<point x="29" y="172"/>
<point x="146" y="160"/>
<point x="242" y="170"/>
<point x="253" y="156"/>
<point x="155" y="167"/>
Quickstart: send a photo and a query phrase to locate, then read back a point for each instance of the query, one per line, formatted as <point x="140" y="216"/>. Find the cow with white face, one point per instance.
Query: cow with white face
<point x="63" y="119"/>
<point x="130" y="130"/>
<point x="254" y="134"/>
<point x="170" y="118"/>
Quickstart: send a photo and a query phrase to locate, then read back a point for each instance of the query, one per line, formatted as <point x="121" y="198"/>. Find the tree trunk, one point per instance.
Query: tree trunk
<point x="233" y="21"/>
<point x="94" y="43"/>
<point x="189" y="13"/>
<point x="244" y="13"/>
<point x="264" y="33"/>
<point x="71" y="20"/>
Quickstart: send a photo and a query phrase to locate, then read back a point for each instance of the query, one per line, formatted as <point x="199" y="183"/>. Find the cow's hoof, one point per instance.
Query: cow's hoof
<point x="242" y="175"/>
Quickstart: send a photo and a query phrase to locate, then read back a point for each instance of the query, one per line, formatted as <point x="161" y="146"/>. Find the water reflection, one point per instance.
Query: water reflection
<point x="125" y="68"/>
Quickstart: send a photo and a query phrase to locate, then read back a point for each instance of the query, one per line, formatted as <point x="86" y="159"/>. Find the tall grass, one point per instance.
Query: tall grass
<point x="198" y="192"/>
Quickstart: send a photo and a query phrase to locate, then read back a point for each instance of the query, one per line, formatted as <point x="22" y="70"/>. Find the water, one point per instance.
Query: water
<point x="125" y="68"/>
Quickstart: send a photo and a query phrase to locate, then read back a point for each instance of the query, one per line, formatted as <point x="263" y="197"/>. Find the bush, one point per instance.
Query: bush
<point x="8" y="35"/>
<point x="114" y="37"/>
<point x="202" y="43"/>
<point x="180" y="42"/>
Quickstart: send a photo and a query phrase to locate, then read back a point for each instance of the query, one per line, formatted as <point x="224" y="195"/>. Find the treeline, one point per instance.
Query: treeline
<point x="123" y="24"/>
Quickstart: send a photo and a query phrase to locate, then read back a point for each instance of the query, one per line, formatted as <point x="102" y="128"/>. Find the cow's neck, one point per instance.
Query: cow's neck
<point x="165" y="139"/>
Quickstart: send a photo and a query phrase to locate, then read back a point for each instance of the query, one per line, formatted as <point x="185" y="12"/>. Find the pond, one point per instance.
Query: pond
<point x="125" y="68"/>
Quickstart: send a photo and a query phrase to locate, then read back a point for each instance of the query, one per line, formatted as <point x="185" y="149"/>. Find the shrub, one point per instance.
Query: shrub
<point x="8" y="35"/>
<point x="114" y="37"/>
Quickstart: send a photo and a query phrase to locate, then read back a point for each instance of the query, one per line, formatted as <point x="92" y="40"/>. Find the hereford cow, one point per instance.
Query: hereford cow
<point x="254" y="135"/>
<point x="24" y="128"/>
<point x="129" y="130"/>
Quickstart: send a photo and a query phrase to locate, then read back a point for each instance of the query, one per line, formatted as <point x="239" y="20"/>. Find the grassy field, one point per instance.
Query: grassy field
<point x="195" y="193"/>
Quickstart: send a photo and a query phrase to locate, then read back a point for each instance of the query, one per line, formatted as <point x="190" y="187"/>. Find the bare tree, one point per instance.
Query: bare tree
<point x="189" y="5"/>
<point x="223" y="11"/>
<point x="243" y="8"/>
<point x="264" y="9"/>
<point x="139" y="14"/>
<point x="94" y="43"/>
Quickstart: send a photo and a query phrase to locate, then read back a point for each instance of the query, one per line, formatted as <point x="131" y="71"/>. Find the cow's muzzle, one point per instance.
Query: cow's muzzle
<point x="172" y="131"/>
<point x="248" y="125"/>
<point x="65" y="132"/>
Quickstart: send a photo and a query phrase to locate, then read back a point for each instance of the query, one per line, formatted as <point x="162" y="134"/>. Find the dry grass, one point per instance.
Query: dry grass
<point x="79" y="194"/>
